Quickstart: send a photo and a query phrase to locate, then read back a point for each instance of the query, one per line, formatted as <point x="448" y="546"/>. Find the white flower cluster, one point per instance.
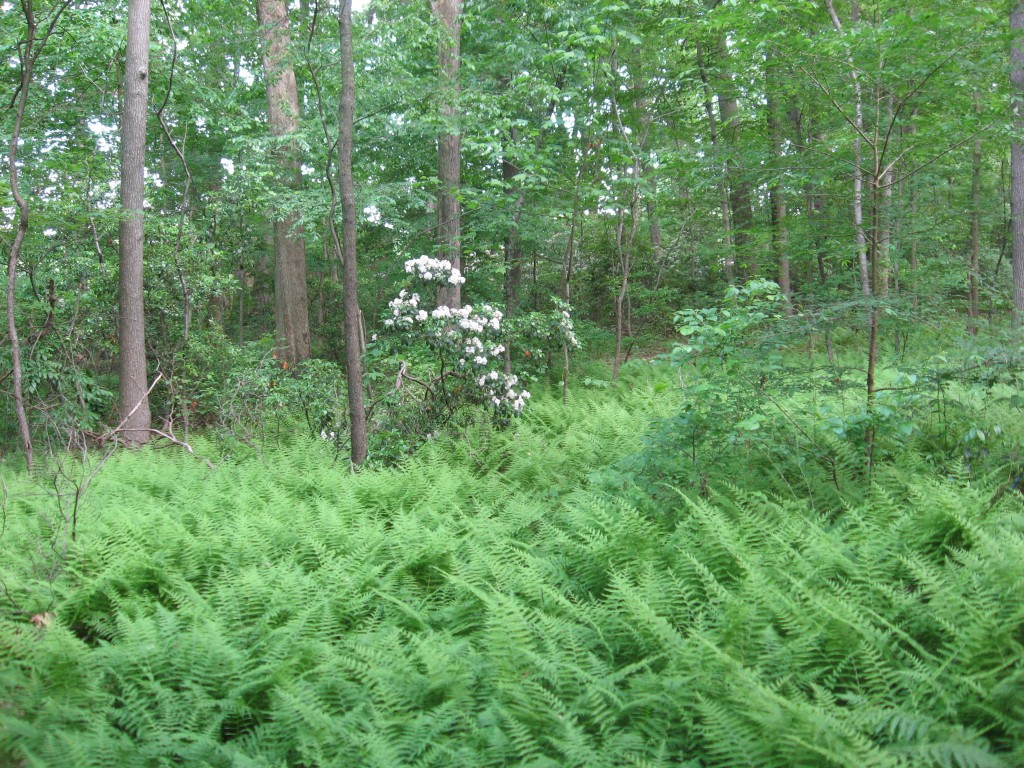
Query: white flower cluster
<point x="434" y="270"/>
<point x="500" y="389"/>
<point x="568" y="331"/>
<point x="470" y="334"/>
<point x="405" y="311"/>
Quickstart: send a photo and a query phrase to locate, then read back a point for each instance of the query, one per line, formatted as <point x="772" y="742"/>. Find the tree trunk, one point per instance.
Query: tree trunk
<point x="858" y="158"/>
<point x="723" y="193"/>
<point x="449" y="155"/>
<point x="973" y="269"/>
<point x="353" y="347"/>
<point x="625" y="251"/>
<point x="883" y="178"/>
<point x="742" y="217"/>
<point x="29" y="53"/>
<point x="1017" y="164"/>
<point x="777" y="199"/>
<point x="513" y="248"/>
<point x="291" y="302"/>
<point x="134" y="398"/>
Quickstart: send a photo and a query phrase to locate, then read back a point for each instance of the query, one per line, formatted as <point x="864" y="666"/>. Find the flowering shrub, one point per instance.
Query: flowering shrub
<point x="467" y="342"/>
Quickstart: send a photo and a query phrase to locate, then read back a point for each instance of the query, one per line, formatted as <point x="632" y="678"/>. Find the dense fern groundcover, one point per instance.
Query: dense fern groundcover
<point x="494" y="602"/>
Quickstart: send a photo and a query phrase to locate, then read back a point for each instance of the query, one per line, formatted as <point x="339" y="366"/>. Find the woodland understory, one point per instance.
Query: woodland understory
<point x="580" y="383"/>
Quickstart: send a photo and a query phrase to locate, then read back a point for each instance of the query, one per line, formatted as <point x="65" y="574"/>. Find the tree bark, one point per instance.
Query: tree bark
<point x="136" y="420"/>
<point x="858" y="157"/>
<point x="449" y="155"/>
<point x="729" y="264"/>
<point x="291" y="301"/>
<point x="739" y="189"/>
<point x="1017" y="163"/>
<point x="513" y="247"/>
<point x="28" y="57"/>
<point x="973" y="267"/>
<point x="353" y="347"/>
<point x="777" y="198"/>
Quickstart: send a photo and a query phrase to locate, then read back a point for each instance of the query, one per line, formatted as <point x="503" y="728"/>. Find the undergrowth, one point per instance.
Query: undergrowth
<point x="492" y="603"/>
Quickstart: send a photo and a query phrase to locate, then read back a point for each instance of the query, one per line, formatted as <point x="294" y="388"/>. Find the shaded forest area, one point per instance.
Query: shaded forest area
<point x="580" y="383"/>
<point x="622" y="161"/>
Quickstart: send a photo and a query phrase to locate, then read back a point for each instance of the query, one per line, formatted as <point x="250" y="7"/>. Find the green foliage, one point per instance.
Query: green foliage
<point x="487" y="604"/>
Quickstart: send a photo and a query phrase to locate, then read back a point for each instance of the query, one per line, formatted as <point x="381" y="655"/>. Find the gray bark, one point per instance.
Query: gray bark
<point x="136" y="420"/>
<point x="777" y="199"/>
<point x="858" y="158"/>
<point x="973" y="310"/>
<point x="1017" y="163"/>
<point x="291" y="301"/>
<point x="729" y="262"/>
<point x="739" y="189"/>
<point x="449" y="155"/>
<point x="353" y="347"/>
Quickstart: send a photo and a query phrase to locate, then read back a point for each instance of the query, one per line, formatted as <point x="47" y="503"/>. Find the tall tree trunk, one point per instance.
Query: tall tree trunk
<point x="625" y="252"/>
<point x="912" y="232"/>
<point x="513" y="247"/>
<point x="1017" y="163"/>
<point x="291" y="301"/>
<point x="882" y="177"/>
<point x="449" y="155"/>
<point x="858" y="157"/>
<point x="813" y="199"/>
<point x="136" y="420"/>
<point x="742" y="218"/>
<point x="973" y="268"/>
<point x="29" y="52"/>
<point x="353" y="347"/>
<point x="777" y="199"/>
<point x="723" y="192"/>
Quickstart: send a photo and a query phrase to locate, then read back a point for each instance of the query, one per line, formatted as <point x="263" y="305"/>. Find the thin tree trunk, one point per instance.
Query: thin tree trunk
<point x="291" y="300"/>
<point x="723" y="192"/>
<point x="513" y="251"/>
<point x="780" y="235"/>
<point x="353" y="347"/>
<point x="883" y="179"/>
<point x="973" y="309"/>
<point x="625" y="251"/>
<point x="449" y="155"/>
<point x="1017" y="163"/>
<point x="136" y="420"/>
<point x="742" y="218"/>
<point x="858" y="158"/>
<point x="29" y="54"/>
<point x="513" y="248"/>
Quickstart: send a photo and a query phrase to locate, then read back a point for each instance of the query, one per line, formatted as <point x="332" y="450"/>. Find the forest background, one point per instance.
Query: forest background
<point x="551" y="383"/>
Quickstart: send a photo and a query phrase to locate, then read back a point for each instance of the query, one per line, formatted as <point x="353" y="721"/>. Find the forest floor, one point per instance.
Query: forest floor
<point x="571" y="591"/>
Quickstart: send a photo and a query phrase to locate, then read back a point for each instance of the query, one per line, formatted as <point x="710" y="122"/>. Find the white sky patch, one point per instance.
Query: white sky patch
<point x="228" y="165"/>
<point x="358" y="5"/>
<point x="51" y="232"/>
<point x="308" y="170"/>
<point x="5" y="7"/>
<point x="103" y="134"/>
<point x="247" y="77"/>
<point x="372" y="214"/>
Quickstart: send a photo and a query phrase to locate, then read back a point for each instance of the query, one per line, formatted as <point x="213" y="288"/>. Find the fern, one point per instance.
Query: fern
<point x="491" y="603"/>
